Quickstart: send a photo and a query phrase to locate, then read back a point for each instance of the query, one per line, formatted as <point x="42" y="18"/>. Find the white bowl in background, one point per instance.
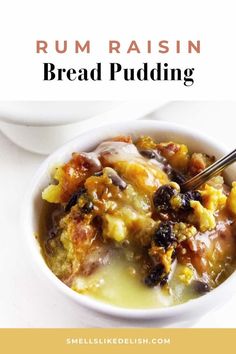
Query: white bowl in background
<point x="41" y="127"/>
<point x="49" y="113"/>
<point x="197" y="141"/>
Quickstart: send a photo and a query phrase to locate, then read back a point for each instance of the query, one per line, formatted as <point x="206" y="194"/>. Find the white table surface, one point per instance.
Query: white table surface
<point x="26" y="299"/>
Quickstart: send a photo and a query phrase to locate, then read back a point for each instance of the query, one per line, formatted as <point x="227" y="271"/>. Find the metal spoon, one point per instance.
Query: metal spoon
<point x="213" y="170"/>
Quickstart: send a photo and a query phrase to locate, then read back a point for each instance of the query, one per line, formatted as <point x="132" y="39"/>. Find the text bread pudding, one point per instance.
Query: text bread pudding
<point x="115" y="225"/>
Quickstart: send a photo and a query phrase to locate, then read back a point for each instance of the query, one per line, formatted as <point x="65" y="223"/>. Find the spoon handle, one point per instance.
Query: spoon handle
<point x="213" y="170"/>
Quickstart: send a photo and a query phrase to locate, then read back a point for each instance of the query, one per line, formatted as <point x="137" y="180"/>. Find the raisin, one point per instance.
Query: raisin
<point x="149" y="154"/>
<point x="152" y="154"/>
<point x="187" y="197"/>
<point x="174" y="175"/>
<point x="162" y="197"/>
<point x="177" y="177"/>
<point x="73" y="199"/>
<point x="200" y="287"/>
<point x="87" y="208"/>
<point x="117" y="181"/>
<point x="164" y="236"/>
<point x="155" y="276"/>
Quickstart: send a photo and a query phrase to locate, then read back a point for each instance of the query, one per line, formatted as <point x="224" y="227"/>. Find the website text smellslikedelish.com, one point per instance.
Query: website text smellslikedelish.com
<point x="118" y="341"/>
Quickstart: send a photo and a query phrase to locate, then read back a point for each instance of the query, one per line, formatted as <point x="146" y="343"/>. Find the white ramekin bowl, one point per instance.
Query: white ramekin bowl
<point x="162" y="131"/>
<point x="43" y="126"/>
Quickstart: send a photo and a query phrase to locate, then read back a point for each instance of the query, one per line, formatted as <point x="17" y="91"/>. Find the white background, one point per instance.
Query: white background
<point x="22" y="22"/>
<point x="29" y="300"/>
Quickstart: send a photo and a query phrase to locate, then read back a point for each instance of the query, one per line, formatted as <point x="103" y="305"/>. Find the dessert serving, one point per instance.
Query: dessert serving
<point x="117" y="227"/>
